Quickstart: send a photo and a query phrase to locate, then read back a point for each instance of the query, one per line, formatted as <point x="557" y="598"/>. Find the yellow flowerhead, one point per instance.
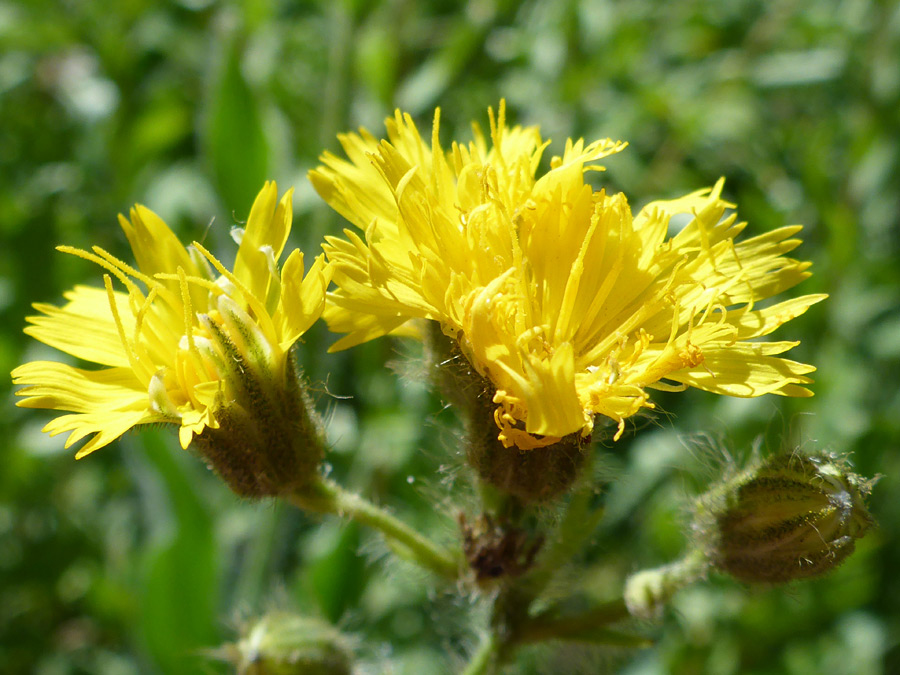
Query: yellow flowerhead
<point x="186" y="342"/>
<point x="567" y="302"/>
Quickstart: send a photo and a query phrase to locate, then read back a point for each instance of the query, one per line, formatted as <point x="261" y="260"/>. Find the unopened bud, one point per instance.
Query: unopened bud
<point x="647" y="592"/>
<point x="281" y="643"/>
<point x="792" y="517"/>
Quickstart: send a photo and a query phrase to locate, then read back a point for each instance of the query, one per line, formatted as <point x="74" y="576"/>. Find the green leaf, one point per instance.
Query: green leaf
<point x="236" y="141"/>
<point x="335" y="573"/>
<point x="178" y="613"/>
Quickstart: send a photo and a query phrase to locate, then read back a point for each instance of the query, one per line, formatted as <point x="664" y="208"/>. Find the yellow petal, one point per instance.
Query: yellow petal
<point x="742" y="371"/>
<point x="155" y="246"/>
<point x="359" y="328"/>
<point x="761" y="322"/>
<point x="303" y="299"/>
<point x="548" y="393"/>
<point x="264" y="238"/>
<point x="106" y="427"/>
<point x="84" y="326"/>
<point x="61" y="386"/>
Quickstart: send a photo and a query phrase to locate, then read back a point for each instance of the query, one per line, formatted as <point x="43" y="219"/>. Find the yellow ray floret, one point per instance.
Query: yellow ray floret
<point x="572" y="305"/>
<point x="170" y="338"/>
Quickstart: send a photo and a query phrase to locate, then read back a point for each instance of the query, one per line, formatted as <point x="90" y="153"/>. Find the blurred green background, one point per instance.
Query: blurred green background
<point x="136" y="559"/>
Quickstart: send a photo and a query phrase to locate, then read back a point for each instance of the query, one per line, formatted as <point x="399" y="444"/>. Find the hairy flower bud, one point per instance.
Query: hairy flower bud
<point x="647" y="592"/>
<point x="281" y="643"/>
<point x="268" y="437"/>
<point x="535" y="475"/>
<point x="792" y="517"/>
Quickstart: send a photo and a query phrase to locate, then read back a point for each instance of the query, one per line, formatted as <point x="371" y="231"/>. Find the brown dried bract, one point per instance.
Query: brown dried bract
<point x="495" y="550"/>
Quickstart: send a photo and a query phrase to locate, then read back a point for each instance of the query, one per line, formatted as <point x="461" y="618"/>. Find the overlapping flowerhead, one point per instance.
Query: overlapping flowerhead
<point x="571" y="305"/>
<point x="186" y="342"/>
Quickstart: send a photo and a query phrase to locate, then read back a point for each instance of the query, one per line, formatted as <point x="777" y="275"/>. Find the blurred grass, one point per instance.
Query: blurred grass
<point x="135" y="559"/>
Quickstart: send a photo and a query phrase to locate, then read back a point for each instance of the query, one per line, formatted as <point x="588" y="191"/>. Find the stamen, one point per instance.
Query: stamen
<point x="125" y="267"/>
<point x="114" y="269"/>
<point x="262" y="316"/>
<point x="136" y="365"/>
<point x="188" y="314"/>
<point x="208" y="284"/>
<point x="139" y="317"/>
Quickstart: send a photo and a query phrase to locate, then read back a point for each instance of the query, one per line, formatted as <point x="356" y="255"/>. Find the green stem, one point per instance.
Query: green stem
<point x="326" y="496"/>
<point x="484" y="661"/>
<point x="576" y="626"/>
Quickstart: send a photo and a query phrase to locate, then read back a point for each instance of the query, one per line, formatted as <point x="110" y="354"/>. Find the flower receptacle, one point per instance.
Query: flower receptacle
<point x="268" y="439"/>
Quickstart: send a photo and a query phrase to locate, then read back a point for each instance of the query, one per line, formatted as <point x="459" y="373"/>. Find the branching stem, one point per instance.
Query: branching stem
<point x="326" y="496"/>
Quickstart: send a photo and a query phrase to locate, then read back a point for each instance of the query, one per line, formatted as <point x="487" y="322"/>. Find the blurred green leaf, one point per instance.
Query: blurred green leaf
<point x="236" y="141"/>
<point x="335" y="571"/>
<point x="178" y="612"/>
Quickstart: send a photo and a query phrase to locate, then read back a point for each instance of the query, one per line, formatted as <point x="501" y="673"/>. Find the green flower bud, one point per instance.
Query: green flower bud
<point x="281" y="643"/>
<point x="793" y="516"/>
<point x="647" y="592"/>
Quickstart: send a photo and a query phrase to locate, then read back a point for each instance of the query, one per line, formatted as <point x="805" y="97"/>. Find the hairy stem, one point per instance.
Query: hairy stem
<point x="325" y="496"/>
<point x="578" y="626"/>
<point x="483" y="661"/>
